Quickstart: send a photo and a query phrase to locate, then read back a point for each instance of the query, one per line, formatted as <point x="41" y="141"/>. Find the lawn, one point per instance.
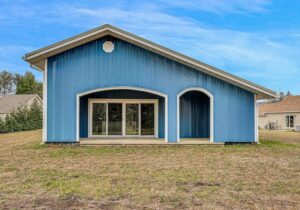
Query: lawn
<point x="264" y="176"/>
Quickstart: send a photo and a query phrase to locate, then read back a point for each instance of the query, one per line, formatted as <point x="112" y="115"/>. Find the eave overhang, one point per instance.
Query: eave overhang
<point x="37" y="58"/>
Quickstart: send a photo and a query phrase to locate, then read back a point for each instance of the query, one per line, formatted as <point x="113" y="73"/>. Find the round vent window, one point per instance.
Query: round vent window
<point x="108" y="46"/>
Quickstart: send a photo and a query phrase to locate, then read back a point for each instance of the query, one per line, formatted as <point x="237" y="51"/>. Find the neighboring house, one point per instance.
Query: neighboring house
<point x="10" y="103"/>
<point x="282" y="115"/>
<point x="108" y="83"/>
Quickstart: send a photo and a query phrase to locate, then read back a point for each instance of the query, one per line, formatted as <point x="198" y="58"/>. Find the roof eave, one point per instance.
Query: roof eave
<point x="37" y="58"/>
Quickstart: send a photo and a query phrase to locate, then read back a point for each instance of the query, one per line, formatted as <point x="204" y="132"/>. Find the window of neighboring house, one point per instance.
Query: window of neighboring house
<point x="289" y="121"/>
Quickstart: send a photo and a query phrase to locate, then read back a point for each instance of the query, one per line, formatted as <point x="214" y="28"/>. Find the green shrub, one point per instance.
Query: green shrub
<point x="23" y="119"/>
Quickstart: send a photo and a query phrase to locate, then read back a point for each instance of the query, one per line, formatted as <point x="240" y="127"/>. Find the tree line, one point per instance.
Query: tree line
<point x="11" y="83"/>
<point x="24" y="118"/>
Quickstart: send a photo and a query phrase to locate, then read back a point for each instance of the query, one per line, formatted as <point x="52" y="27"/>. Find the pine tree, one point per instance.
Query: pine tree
<point x="6" y="83"/>
<point x="23" y="119"/>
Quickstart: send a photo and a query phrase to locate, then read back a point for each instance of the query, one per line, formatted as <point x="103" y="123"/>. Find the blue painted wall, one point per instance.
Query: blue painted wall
<point x="194" y="115"/>
<point x="88" y="67"/>
<point x="121" y="94"/>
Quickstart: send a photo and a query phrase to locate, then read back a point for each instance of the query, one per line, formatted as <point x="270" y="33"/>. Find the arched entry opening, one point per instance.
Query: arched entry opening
<point x="122" y="112"/>
<point x="195" y="115"/>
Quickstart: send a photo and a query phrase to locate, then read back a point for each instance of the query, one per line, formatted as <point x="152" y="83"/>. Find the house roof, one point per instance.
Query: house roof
<point x="37" y="58"/>
<point x="9" y="103"/>
<point x="287" y="105"/>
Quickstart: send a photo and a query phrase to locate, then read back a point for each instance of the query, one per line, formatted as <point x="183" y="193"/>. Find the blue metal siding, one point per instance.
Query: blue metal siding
<point x="88" y="67"/>
<point x="194" y="115"/>
<point x="121" y="94"/>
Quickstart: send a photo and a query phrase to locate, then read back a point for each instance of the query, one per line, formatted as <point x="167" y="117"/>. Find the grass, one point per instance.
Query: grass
<point x="264" y="176"/>
<point x="289" y="137"/>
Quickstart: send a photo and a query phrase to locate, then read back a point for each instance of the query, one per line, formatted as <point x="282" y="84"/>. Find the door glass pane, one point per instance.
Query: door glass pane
<point x="132" y="119"/>
<point x="147" y="119"/>
<point x="291" y="121"/>
<point x="99" y="119"/>
<point x="114" y="119"/>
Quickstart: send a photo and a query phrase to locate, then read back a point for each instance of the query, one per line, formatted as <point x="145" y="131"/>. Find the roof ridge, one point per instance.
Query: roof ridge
<point x="37" y="57"/>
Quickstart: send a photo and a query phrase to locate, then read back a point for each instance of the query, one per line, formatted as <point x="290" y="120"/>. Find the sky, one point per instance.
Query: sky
<point x="258" y="40"/>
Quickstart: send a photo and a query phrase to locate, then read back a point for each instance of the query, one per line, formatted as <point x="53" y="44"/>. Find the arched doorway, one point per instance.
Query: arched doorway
<point x="118" y="100"/>
<point x="195" y="114"/>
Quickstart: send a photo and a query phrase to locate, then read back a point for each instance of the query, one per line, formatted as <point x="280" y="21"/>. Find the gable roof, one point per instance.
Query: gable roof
<point x="37" y="58"/>
<point x="9" y="103"/>
<point x="289" y="104"/>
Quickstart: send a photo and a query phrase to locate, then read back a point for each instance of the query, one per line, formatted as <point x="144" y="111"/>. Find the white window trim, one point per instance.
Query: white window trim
<point x="165" y="96"/>
<point x="91" y="101"/>
<point x="211" y="114"/>
<point x="289" y="115"/>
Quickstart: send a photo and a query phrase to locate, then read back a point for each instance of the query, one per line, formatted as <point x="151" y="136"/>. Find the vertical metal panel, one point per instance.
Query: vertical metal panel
<point x="88" y="67"/>
<point x="194" y="115"/>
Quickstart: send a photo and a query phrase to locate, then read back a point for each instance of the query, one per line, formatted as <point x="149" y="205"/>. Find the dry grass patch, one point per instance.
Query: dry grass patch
<point x="291" y="137"/>
<point x="152" y="177"/>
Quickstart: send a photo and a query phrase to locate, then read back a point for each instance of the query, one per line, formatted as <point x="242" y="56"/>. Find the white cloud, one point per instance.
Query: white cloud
<point x="221" y="6"/>
<point x="252" y="55"/>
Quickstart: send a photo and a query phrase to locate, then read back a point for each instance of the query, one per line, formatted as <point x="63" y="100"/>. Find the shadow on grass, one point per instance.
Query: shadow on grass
<point x="61" y="150"/>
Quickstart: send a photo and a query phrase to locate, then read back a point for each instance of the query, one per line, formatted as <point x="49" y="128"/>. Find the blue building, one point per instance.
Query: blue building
<point x="108" y="83"/>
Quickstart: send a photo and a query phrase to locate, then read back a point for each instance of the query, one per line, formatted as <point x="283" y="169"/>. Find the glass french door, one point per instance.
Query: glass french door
<point x="147" y="119"/>
<point x="132" y="119"/>
<point x="123" y="118"/>
<point x="114" y="119"/>
<point x="99" y="119"/>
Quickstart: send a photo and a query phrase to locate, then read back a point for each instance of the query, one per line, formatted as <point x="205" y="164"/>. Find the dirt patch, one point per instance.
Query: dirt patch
<point x="198" y="184"/>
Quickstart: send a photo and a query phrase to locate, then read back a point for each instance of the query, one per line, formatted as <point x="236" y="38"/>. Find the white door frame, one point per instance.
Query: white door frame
<point x="211" y="110"/>
<point x="91" y="101"/>
<point x="165" y="96"/>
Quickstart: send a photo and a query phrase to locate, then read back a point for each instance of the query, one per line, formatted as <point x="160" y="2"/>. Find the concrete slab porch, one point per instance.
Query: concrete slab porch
<point x="142" y="141"/>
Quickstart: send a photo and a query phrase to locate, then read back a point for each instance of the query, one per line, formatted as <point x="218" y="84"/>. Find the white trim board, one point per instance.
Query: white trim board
<point x="165" y="96"/>
<point x="91" y="101"/>
<point x="37" y="97"/>
<point x="35" y="57"/>
<point x="255" y="121"/>
<point x="289" y="116"/>
<point x="45" y="77"/>
<point x="211" y="114"/>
